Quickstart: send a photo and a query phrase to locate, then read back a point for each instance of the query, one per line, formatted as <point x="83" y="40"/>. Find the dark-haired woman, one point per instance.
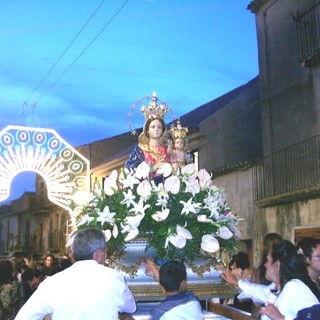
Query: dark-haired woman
<point x="11" y="296"/>
<point x="291" y="289"/>
<point x="31" y="279"/>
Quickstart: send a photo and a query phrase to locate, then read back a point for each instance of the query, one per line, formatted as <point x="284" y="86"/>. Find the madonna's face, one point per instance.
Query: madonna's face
<point x="155" y="129"/>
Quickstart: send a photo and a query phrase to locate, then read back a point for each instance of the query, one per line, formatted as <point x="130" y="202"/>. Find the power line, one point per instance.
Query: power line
<point x="64" y="52"/>
<point x="85" y="49"/>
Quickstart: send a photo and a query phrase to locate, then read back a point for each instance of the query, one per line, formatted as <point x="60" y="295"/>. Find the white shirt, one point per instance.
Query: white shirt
<point x="86" y="290"/>
<point x="295" y="296"/>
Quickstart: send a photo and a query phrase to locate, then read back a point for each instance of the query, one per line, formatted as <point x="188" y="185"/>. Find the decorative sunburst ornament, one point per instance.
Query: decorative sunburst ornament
<point x="152" y="110"/>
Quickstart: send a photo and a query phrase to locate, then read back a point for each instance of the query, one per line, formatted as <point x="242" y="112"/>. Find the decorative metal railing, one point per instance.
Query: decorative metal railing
<point x="293" y="169"/>
<point x="308" y="31"/>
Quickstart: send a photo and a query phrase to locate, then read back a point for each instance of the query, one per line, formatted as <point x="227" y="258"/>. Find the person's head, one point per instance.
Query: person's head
<point x="65" y="262"/>
<point x="269" y="240"/>
<point x="173" y="276"/>
<point x="154" y="128"/>
<point x="284" y="264"/>
<point x="6" y="272"/>
<point x="49" y="261"/>
<point x="179" y="143"/>
<point x="32" y="276"/>
<point x="241" y="260"/>
<point x="310" y="249"/>
<point x="89" y="244"/>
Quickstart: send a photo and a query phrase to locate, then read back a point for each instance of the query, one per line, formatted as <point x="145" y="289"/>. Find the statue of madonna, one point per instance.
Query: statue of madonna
<point x="151" y="147"/>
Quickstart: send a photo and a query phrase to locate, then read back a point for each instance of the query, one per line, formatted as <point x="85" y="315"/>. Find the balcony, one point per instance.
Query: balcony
<point x="308" y="33"/>
<point x="288" y="175"/>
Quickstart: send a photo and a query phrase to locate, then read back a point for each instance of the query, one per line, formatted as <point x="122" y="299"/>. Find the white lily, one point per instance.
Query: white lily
<point x="188" y="206"/>
<point x="212" y="205"/>
<point x="192" y="186"/>
<point x="142" y="171"/>
<point x="144" y="189"/>
<point x="172" y="184"/>
<point x="106" y="216"/>
<point x="161" y="215"/>
<point x="203" y="218"/>
<point x="139" y="208"/>
<point x="209" y="243"/>
<point x="160" y="192"/>
<point x="128" y="198"/>
<point x="162" y="201"/>
<point x="129" y="181"/>
<point x="165" y="169"/>
<point x="225" y="233"/>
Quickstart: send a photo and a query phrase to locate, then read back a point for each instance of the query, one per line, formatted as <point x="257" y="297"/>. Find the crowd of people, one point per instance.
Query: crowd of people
<point x="19" y="279"/>
<point x="284" y="286"/>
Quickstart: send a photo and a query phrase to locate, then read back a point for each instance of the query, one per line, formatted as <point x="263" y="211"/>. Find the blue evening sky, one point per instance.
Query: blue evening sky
<point x="77" y="66"/>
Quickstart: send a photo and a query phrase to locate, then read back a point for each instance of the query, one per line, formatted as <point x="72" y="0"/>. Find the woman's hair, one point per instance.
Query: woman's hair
<point x="292" y="265"/>
<point x="269" y="240"/>
<point x="306" y="245"/>
<point x="6" y="272"/>
<point x="143" y="138"/>
<point x="30" y="273"/>
<point x="241" y="260"/>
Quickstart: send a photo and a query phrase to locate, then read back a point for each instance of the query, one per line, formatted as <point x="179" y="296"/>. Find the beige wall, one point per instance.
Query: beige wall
<point x="238" y="187"/>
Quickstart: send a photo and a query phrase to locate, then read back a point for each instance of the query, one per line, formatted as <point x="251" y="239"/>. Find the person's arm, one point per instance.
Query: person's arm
<point x="229" y="278"/>
<point x="152" y="270"/>
<point x="129" y="305"/>
<point x="257" y="292"/>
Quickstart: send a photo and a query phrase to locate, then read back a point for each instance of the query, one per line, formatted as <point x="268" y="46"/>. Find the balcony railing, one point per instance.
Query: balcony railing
<point x="308" y="31"/>
<point x="293" y="170"/>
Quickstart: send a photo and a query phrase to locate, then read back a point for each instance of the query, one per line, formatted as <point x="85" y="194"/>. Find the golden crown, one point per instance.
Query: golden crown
<point x="178" y="131"/>
<point x="153" y="111"/>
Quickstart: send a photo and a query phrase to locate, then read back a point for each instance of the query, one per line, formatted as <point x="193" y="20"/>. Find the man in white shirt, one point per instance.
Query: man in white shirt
<point x="86" y="290"/>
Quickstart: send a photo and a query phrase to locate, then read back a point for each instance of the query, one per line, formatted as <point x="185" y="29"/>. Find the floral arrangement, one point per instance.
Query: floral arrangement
<point x="181" y="214"/>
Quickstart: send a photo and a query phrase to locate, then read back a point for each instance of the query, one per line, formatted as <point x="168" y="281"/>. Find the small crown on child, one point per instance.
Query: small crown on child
<point x="178" y="131"/>
<point x="153" y="111"/>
